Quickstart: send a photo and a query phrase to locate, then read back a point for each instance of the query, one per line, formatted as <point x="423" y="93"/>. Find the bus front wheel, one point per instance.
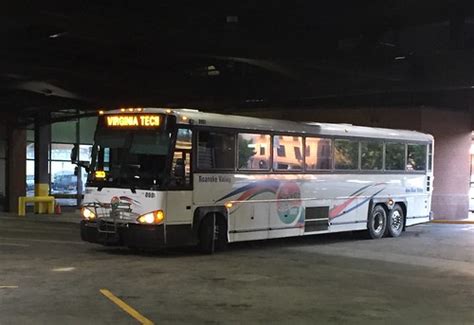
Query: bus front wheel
<point x="212" y="233"/>
<point x="377" y="223"/>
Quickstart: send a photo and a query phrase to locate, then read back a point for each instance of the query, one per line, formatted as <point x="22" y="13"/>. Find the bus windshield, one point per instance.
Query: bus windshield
<point x="130" y="158"/>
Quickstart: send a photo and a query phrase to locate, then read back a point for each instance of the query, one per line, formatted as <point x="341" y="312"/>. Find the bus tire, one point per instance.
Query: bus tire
<point x="207" y="229"/>
<point x="220" y="233"/>
<point x="396" y="221"/>
<point x="377" y="222"/>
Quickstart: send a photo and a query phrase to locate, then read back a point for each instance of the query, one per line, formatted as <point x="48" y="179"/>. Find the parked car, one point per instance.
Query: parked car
<point x="64" y="183"/>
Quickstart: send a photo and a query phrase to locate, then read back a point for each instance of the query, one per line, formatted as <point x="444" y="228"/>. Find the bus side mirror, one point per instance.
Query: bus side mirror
<point x="74" y="154"/>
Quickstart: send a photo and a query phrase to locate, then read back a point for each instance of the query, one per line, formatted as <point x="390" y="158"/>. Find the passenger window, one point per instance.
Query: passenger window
<point x="430" y="156"/>
<point x="318" y="153"/>
<point x="346" y="154"/>
<point x="254" y="151"/>
<point x="371" y="153"/>
<point x="216" y="150"/>
<point x="416" y="157"/>
<point x="287" y="152"/>
<point x="394" y="156"/>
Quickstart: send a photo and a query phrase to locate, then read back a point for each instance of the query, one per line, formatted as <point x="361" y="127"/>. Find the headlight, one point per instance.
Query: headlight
<point x="87" y="214"/>
<point x="154" y="217"/>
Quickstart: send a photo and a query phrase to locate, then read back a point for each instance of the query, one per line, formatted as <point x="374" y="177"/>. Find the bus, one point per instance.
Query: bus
<point x="160" y="177"/>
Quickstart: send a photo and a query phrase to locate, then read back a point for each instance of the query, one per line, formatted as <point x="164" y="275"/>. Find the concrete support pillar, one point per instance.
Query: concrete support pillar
<point x="452" y="133"/>
<point x="42" y="141"/>
<point x="16" y="170"/>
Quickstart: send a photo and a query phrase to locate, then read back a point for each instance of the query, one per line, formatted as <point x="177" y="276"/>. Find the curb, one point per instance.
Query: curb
<point x="454" y="222"/>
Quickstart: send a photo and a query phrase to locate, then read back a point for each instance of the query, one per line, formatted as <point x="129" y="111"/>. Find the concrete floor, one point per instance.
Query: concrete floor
<point x="48" y="276"/>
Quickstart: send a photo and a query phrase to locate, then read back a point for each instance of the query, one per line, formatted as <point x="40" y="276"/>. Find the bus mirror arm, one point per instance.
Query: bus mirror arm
<point x="74" y="155"/>
<point x="76" y="161"/>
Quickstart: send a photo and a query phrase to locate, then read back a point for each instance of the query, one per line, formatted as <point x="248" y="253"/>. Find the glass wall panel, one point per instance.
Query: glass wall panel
<point x="254" y="151"/>
<point x="61" y="151"/>
<point x="64" y="132"/>
<point x="63" y="180"/>
<point x="85" y="151"/>
<point x="30" y="177"/>
<point x="87" y="128"/>
<point x="287" y="152"/>
<point x="30" y="135"/>
<point x="30" y="150"/>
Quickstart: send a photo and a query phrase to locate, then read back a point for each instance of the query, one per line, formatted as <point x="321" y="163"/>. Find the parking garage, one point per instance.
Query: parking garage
<point x="405" y="68"/>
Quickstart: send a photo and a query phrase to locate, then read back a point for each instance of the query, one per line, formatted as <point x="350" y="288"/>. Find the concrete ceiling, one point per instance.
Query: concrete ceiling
<point x="232" y="55"/>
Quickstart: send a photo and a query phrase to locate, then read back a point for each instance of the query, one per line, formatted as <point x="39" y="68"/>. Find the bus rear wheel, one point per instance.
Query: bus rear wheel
<point x="212" y="233"/>
<point x="396" y="221"/>
<point x="377" y="223"/>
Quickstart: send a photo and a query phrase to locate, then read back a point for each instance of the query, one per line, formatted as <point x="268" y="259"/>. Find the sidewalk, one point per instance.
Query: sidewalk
<point x="66" y="217"/>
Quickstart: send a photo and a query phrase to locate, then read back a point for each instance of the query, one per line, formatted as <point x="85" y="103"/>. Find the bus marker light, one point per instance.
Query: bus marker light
<point x="390" y="202"/>
<point x="99" y="174"/>
<point x="229" y="205"/>
<point x="101" y="112"/>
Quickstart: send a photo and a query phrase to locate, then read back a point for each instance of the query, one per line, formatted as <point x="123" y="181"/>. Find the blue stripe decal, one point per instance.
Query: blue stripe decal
<point x="359" y="204"/>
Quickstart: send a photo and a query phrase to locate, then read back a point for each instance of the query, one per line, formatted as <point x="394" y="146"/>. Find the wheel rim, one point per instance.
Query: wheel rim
<point x="396" y="220"/>
<point x="378" y="222"/>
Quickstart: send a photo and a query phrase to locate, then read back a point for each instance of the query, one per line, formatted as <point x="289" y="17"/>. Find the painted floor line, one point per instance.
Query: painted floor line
<point x="129" y="310"/>
<point x="50" y="241"/>
<point x="15" y="245"/>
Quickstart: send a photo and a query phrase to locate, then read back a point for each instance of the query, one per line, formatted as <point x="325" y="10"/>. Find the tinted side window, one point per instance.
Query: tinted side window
<point x="394" y="156"/>
<point x="371" y="153"/>
<point x="416" y="159"/>
<point x="254" y="151"/>
<point x="346" y="154"/>
<point x="287" y="152"/>
<point x="430" y="156"/>
<point x="216" y="150"/>
<point x="318" y="153"/>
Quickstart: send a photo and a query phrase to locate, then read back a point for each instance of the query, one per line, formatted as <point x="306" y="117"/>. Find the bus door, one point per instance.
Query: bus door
<point x="180" y="191"/>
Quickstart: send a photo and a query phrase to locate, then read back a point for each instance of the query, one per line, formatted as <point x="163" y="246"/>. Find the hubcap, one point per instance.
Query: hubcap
<point x="377" y="222"/>
<point x="396" y="220"/>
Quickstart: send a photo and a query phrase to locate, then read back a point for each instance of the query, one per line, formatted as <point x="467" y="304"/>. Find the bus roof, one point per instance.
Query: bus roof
<point x="195" y="117"/>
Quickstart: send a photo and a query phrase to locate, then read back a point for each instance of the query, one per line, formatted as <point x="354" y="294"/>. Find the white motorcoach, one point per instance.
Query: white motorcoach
<point x="161" y="177"/>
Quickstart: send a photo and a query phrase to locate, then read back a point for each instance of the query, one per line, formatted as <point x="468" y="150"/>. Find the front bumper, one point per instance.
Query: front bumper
<point x="130" y="235"/>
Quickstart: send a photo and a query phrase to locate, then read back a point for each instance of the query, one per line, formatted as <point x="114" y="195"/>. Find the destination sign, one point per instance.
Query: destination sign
<point x="129" y="120"/>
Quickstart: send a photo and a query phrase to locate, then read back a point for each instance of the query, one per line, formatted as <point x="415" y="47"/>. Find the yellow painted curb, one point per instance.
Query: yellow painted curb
<point x="454" y="222"/>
